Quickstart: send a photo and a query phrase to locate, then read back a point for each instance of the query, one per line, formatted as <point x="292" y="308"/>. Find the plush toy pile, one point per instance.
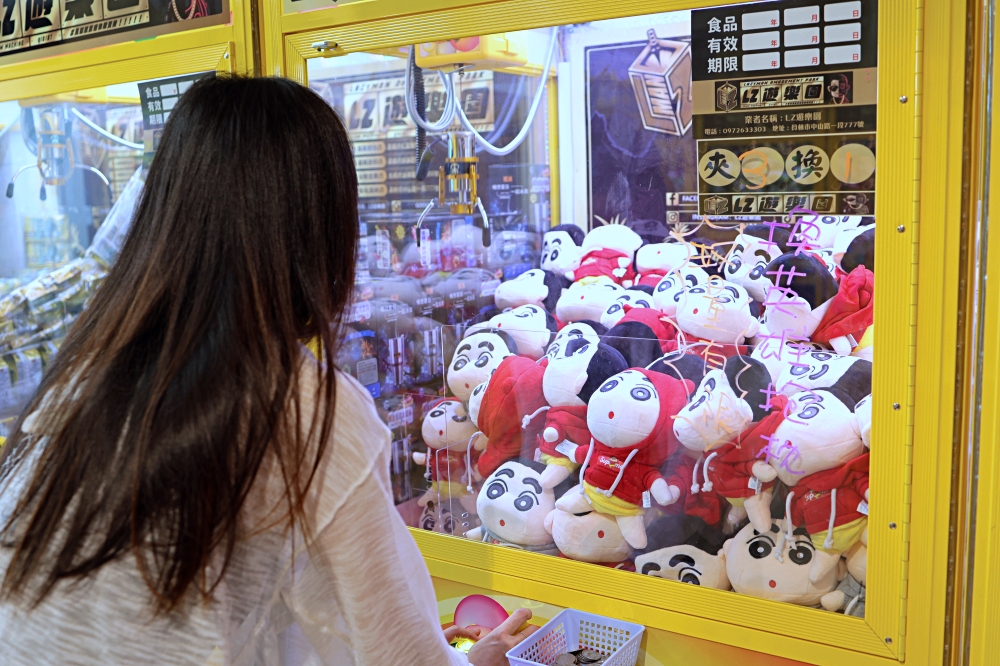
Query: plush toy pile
<point x="692" y="412"/>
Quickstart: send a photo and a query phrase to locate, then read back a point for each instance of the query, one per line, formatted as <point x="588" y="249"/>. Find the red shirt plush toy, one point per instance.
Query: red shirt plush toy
<point x="630" y="417"/>
<point x="513" y="394"/>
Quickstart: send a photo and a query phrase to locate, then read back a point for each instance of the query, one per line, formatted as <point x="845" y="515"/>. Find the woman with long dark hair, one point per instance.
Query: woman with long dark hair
<point x="189" y="485"/>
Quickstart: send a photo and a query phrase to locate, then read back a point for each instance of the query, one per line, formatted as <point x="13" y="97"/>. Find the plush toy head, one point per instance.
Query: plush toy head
<point x="663" y="257"/>
<point x="683" y="548"/>
<point x="641" y="336"/>
<point x="616" y="237"/>
<point x="681" y="366"/>
<point x="591" y="331"/>
<point x="571" y="379"/>
<point x="777" y="354"/>
<point x="513" y="505"/>
<point x="447" y="426"/>
<point x="752" y="251"/>
<point x="672" y="288"/>
<point x="476" y="400"/>
<point x="634" y="409"/>
<point x="825" y="369"/>
<point x="587" y="300"/>
<point x="535" y="287"/>
<point x="799" y="292"/>
<point x="820" y="432"/>
<point x="477" y="356"/>
<point x="719" y="311"/>
<point x="587" y="537"/>
<point x="802" y="575"/>
<point x="726" y="403"/>
<point x="855" y="247"/>
<point x="561" y="251"/>
<point x="863" y="410"/>
<point x="821" y="232"/>
<point x="685" y="564"/>
<point x="634" y="297"/>
<point x="530" y="325"/>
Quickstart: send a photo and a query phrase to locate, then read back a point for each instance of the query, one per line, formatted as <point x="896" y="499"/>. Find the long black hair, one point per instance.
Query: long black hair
<point x="183" y="374"/>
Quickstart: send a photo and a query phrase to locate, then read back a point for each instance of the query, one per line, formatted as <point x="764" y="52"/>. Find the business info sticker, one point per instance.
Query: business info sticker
<point x="784" y="101"/>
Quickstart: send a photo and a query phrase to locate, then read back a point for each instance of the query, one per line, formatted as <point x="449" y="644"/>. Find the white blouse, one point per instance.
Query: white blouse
<point x="360" y="596"/>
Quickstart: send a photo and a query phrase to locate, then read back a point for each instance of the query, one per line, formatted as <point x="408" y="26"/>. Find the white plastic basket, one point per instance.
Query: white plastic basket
<point x="574" y="630"/>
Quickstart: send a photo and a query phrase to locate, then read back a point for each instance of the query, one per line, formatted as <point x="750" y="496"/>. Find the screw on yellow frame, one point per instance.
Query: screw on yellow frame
<point x="921" y="60"/>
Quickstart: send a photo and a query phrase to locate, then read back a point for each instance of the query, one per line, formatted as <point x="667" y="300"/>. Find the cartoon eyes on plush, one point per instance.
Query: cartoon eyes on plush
<point x="718" y="311"/>
<point x="820" y="432"/>
<point x="800" y="552"/>
<point x="513" y="506"/>
<point x="624" y="410"/>
<point x="823" y="369"/>
<point x="476" y="358"/>
<point x="587" y="301"/>
<point x="672" y="287"/>
<point x="560" y="250"/>
<point x="524" y="500"/>
<point x="615" y="312"/>
<point x="780" y="567"/>
<point x="448" y="426"/>
<point x="570" y="332"/>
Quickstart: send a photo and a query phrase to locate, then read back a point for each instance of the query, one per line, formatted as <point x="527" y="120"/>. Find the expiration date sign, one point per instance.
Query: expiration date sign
<point x="784" y="97"/>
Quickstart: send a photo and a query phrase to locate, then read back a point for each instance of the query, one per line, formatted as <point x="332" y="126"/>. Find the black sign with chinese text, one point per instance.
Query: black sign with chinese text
<point x="785" y="107"/>
<point x="59" y="25"/>
<point x="763" y="39"/>
<point x="158" y="99"/>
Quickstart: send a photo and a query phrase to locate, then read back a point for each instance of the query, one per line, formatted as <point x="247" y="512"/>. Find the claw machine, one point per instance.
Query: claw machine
<point x="629" y="251"/>
<point x="85" y="88"/>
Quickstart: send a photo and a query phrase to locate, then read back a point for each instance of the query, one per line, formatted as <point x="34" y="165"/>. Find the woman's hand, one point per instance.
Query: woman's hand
<point x="492" y="649"/>
<point x="453" y="632"/>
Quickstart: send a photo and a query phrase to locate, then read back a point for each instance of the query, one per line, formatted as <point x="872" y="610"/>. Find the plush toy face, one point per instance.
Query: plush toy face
<point x="822" y="232"/>
<point x="819" y="433"/>
<point x="615" y="311"/>
<point x="513" y="505"/>
<point x="565" y="376"/>
<point x="662" y="257"/>
<point x="747" y="262"/>
<point x="801" y="576"/>
<point x="816" y="369"/>
<point x="587" y="301"/>
<point x="588" y="537"/>
<point x="571" y="332"/>
<point x="718" y="311"/>
<point x="527" y="288"/>
<point x="715" y="415"/>
<point x="447" y="426"/>
<point x="777" y="355"/>
<point x="672" y="288"/>
<point x="616" y="237"/>
<point x="687" y="564"/>
<point x="476" y="401"/>
<point x="624" y="410"/>
<point x="477" y="356"/>
<point x="529" y="325"/>
<point x="559" y="253"/>
<point x="863" y="410"/>
<point x="792" y="315"/>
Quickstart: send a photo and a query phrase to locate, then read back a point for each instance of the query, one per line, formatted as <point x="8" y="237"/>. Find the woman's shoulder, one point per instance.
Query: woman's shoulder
<point x="356" y="419"/>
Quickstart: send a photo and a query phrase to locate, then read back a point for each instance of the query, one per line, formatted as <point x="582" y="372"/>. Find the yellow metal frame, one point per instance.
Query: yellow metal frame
<point x="921" y="98"/>
<point x="984" y="643"/>
<point x="224" y="48"/>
